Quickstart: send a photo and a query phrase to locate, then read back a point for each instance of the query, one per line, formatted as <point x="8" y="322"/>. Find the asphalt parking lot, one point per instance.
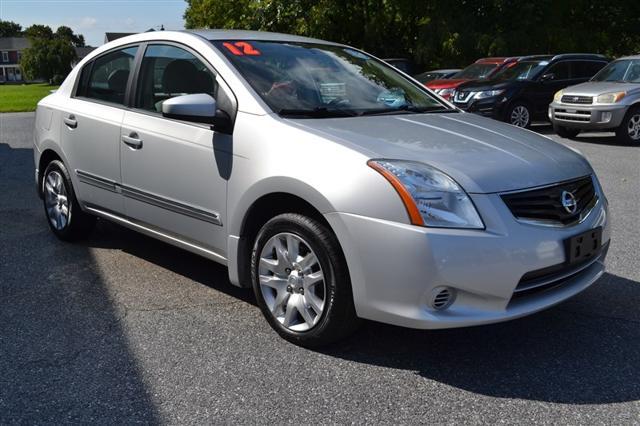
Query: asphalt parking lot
<point x="122" y="328"/>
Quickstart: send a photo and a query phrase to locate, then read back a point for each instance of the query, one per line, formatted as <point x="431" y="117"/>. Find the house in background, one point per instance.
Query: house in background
<point x="10" y="52"/>
<point x="114" y="36"/>
<point x="81" y="52"/>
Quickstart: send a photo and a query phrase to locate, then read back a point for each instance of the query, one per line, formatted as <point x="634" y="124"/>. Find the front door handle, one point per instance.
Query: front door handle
<point x="132" y="140"/>
<point x="71" y="121"/>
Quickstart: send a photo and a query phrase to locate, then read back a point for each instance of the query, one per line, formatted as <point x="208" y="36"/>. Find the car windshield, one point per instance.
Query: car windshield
<point x="475" y="71"/>
<point x="527" y="70"/>
<point x="623" y="71"/>
<point x="318" y="80"/>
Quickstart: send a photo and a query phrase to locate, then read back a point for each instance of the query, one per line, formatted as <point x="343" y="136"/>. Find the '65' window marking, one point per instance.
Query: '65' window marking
<point x="240" y="48"/>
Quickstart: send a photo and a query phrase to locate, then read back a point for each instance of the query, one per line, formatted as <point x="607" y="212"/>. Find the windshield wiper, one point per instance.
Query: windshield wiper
<point x="319" y="112"/>
<point x="408" y="109"/>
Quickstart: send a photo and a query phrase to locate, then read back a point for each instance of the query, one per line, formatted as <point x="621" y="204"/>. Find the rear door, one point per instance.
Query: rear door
<point x="90" y="132"/>
<point x="172" y="177"/>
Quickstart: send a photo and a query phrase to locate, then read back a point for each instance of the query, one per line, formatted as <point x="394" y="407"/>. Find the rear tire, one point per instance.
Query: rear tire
<point x="565" y="132"/>
<point x="65" y="217"/>
<point x="629" y="130"/>
<point x="300" y="280"/>
<point x="519" y="115"/>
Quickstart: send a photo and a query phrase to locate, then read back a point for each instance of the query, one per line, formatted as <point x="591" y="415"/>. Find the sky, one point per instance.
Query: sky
<point x="92" y="18"/>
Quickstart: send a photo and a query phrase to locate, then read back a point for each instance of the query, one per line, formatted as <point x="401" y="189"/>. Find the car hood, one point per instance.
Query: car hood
<point x="595" y="88"/>
<point x="483" y="155"/>
<point x="449" y="83"/>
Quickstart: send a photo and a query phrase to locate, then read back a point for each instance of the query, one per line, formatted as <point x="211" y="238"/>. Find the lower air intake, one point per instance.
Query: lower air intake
<point x="442" y="298"/>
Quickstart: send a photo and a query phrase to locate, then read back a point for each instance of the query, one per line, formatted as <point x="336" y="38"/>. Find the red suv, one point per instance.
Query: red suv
<point x="480" y="69"/>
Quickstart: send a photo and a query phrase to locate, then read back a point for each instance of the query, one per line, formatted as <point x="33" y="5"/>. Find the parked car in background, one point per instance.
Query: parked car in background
<point x="609" y="101"/>
<point x="329" y="182"/>
<point x="521" y="93"/>
<point x="482" y="68"/>
<point x="428" y="76"/>
<point x="403" y="64"/>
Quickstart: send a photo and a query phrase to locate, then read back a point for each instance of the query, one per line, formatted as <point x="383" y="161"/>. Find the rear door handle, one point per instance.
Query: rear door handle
<point x="71" y="121"/>
<point x="132" y="140"/>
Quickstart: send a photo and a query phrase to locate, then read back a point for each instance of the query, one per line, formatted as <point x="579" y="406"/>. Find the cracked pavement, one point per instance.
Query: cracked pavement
<point x="122" y="328"/>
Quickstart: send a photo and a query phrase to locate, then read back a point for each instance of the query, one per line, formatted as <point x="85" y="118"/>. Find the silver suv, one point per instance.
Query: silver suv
<point x="334" y="185"/>
<point x="609" y="101"/>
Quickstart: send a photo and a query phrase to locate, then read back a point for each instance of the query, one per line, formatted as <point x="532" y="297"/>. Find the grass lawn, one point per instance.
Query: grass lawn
<point x="22" y="97"/>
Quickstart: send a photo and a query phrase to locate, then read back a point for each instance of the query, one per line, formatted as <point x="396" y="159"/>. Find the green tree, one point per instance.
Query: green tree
<point x="39" y="31"/>
<point x="439" y="32"/>
<point x="10" y="29"/>
<point x="50" y="53"/>
<point x="66" y="33"/>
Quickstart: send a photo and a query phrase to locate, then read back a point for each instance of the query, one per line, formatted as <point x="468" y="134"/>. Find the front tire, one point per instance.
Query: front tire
<point x="629" y="130"/>
<point x="64" y="215"/>
<point x="301" y="282"/>
<point x="519" y="115"/>
<point x="565" y="132"/>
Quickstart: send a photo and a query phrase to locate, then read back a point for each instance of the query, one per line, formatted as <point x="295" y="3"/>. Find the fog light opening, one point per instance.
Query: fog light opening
<point x="606" y="117"/>
<point x="442" y="298"/>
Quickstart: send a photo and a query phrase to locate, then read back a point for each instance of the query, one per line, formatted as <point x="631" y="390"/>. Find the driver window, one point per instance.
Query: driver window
<point x="169" y="71"/>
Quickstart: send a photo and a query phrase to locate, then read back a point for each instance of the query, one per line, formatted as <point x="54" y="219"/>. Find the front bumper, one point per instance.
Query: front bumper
<point x="494" y="107"/>
<point x="395" y="267"/>
<point x="587" y="117"/>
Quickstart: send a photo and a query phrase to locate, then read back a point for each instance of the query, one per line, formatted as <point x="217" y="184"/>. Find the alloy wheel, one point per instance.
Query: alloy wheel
<point x="520" y="116"/>
<point x="56" y="200"/>
<point x="292" y="282"/>
<point x="633" y="127"/>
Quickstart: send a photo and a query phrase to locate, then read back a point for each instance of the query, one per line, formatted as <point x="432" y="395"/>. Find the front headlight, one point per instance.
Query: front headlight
<point x="445" y="93"/>
<point x="431" y="197"/>
<point x="488" y="94"/>
<point x="610" y="98"/>
<point x="558" y="96"/>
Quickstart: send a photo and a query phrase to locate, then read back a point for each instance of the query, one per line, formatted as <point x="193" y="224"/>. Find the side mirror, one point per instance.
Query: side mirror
<point x="548" y="77"/>
<point x="197" y="108"/>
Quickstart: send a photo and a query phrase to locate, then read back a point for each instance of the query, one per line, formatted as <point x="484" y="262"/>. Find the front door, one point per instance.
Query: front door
<point x="90" y="130"/>
<point x="170" y="176"/>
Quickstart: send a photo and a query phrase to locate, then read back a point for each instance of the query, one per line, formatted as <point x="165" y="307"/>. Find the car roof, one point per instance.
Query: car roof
<point x="216" y="34"/>
<point x="629" y="57"/>
<point x="496" y="60"/>
<point x="576" y="56"/>
<point x="445" y="70"/>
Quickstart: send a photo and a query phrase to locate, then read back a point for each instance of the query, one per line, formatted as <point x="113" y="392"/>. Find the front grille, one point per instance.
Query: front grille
<point x="546" y="204"/>
<point x="575" y="115"/>
<point x="462" y="97"/>
<point x="582" y="100"/>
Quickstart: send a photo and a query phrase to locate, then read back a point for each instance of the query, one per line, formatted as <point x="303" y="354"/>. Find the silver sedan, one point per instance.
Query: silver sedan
<point x="336" y="186"/>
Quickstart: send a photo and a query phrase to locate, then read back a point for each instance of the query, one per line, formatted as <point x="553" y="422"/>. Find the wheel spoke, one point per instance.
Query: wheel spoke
<point x="312" y="279"/>
<point x="308" y="261"/>
<point x="290" y="313"/>
<point x="304" y="312"/>
<point x="282" y="297"/>
<point x="269" y="264"/>
<point x="314" y="302"/>
<point x="281" y="254"/>
<point x="293" y="248"/>
<point x="273" y="282"/>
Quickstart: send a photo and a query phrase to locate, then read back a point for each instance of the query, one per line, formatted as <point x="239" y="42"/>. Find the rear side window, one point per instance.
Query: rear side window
<point x="106" y="78"/>
<point x="168" y="71"/>
<point x="587" y="69"/>
<point x="561" y="70"/>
